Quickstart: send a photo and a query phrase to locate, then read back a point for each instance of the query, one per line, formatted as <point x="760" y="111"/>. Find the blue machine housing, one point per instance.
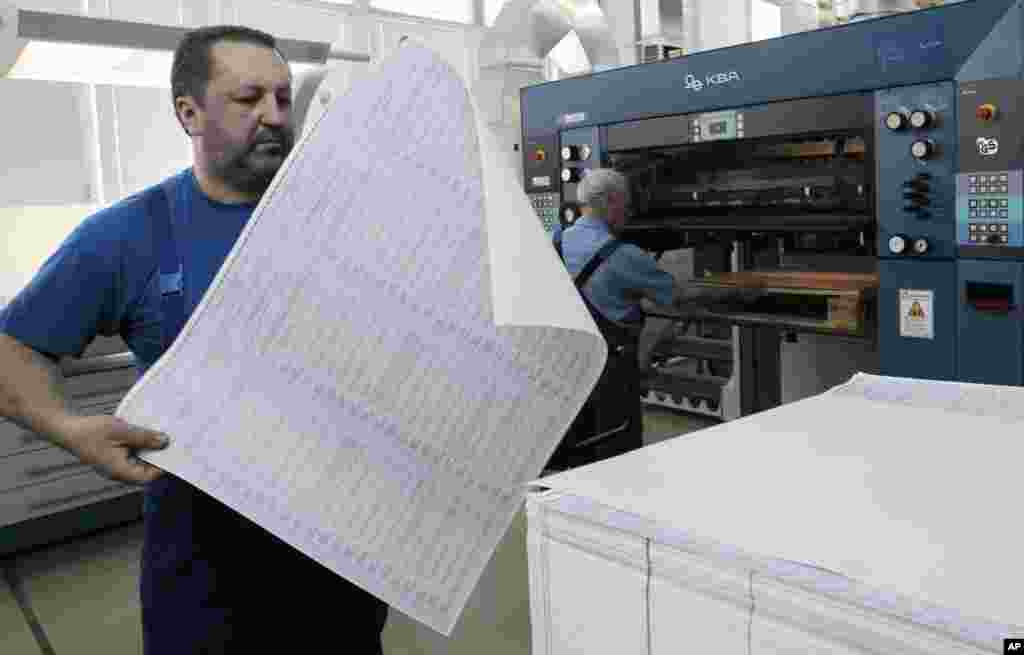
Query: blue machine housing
<point x="947" y="194"/>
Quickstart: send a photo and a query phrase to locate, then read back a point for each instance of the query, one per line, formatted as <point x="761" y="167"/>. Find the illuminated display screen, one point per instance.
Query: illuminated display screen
<point x="719" y="125"/>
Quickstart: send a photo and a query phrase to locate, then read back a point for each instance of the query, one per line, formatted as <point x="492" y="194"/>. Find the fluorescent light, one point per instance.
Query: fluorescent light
<point x="67" y="48"/>
<point x="74" y="62"/>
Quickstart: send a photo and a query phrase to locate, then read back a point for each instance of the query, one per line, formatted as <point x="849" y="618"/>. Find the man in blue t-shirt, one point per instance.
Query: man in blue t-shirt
<point x="211" y="580"/>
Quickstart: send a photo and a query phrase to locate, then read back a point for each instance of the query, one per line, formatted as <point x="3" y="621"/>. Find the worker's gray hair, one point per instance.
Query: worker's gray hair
<point x="595" y="187"/>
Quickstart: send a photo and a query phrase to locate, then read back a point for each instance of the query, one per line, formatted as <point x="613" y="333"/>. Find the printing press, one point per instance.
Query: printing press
<point x="866" y="178"/>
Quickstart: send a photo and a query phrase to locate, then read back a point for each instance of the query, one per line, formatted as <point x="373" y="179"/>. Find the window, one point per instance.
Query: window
<point x="765" y="20"/>
<point x="458" y="11"/>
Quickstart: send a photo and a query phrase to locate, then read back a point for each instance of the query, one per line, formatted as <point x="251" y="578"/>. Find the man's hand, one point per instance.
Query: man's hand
<point x="109" y="444"/>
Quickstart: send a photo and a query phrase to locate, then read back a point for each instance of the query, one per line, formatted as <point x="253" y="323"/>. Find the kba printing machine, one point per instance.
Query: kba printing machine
<point x="866" y="177"/>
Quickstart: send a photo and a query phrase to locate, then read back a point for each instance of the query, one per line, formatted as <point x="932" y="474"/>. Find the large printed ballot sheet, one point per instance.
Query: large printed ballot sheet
<point x="390" y="352"/>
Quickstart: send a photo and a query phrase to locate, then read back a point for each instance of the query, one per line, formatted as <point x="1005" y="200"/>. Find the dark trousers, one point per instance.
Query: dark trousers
<point x="614" y="401"/>
<point x="215" y="583"/>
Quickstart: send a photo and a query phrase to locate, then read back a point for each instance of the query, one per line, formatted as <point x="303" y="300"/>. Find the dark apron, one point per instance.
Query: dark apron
<point x="611" y="421"/>
<point x="214" y="583"/>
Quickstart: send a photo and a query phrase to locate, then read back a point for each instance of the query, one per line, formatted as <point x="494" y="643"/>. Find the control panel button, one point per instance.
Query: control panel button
<point x="570" y="153"/>
<point x="922" y="149"/>
<point x="921" y="119"/>
<point x="898" y="245"/>
<point x="986" y="112"/>
<point x="572" y="175"/>
<point x="585" y="152"/>
<point x="920" y="246"/>
<point x="896" y="121"/>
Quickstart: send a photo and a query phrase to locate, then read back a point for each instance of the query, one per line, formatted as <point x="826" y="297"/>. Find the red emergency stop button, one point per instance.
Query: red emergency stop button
<point x="986" y="112"/>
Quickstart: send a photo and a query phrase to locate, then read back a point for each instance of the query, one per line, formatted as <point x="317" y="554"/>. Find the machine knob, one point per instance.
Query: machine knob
<point x="576" y="153"/>
<point x="922" y="149"/>
<point x="917" y="185"/>
<point x="896" y="120"/>
<point x="920" y="246"/>
<point x="919" y="199"/>
<point x="570" y="175"/>
<point x="922" y="119"/>
<point x="898" y="244"/>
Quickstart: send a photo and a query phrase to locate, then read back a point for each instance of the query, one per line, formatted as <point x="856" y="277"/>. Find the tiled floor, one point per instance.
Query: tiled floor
<point x="83" y="595"/>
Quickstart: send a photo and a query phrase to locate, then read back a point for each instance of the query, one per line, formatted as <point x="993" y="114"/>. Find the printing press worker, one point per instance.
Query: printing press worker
<point x="613" y="278"/>
<point x="212" y="582"/>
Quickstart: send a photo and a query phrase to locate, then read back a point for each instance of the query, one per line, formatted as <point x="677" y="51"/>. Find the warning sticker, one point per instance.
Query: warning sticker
<point x="917" y="316"/>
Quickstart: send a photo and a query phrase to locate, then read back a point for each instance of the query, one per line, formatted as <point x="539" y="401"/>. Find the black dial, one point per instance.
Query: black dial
<point x="922" y="149"/>
<point x="918" y="199"/>
<point x="922" y="119"/>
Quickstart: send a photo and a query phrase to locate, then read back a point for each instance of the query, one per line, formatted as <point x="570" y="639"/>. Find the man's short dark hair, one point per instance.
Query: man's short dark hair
<point x="192" y="67"/>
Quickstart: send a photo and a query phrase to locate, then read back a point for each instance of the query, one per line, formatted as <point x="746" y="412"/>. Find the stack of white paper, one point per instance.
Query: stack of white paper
<point x="390" y="352"/>
<point x="908" y="487"/>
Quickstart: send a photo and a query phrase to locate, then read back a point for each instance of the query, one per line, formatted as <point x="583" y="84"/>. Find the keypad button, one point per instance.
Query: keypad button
<point x="973" y="179"/>
<point x="1004" y="239"/>
<point x="974" y="189"/>
<point x="973" y="203"/>
<point x="1004" y="228"/>
<point x="1004" y="203"/>
<point x="1004" y="178"/>
<point x="973" y="227"/>
<point x="1004" y="213"/>
<point x="1004" y="189"/>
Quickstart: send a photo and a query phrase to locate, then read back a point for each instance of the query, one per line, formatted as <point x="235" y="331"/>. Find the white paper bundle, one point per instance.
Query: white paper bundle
<point x="389" y="353"/>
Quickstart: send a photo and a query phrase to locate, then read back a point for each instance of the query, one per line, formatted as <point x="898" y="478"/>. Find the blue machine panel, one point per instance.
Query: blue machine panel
<point x="991" y="348"/>
<point x="916" y="191"/>
<point x="917" y="319"/>
<point x="580" y="151"/>
<point x="990" y="209"/>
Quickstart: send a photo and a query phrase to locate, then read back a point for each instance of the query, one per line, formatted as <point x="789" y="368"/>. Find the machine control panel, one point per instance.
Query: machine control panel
<point x="989" y="208"/>
<point x="990" y="184"/>
<point x="546" y="205"/>
<point x="917" y="146"/>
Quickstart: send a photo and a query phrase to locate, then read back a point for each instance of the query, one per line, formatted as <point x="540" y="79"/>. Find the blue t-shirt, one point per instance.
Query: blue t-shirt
<point x="104" y="279"/>
<point x="618" y="285"/>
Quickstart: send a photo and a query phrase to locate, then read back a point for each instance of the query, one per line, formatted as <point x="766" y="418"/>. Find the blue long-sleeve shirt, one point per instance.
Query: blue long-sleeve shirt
<point x="628" y="276"/>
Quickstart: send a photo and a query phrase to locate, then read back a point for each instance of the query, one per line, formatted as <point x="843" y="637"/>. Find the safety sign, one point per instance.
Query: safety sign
<point x="917" y="315"/>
